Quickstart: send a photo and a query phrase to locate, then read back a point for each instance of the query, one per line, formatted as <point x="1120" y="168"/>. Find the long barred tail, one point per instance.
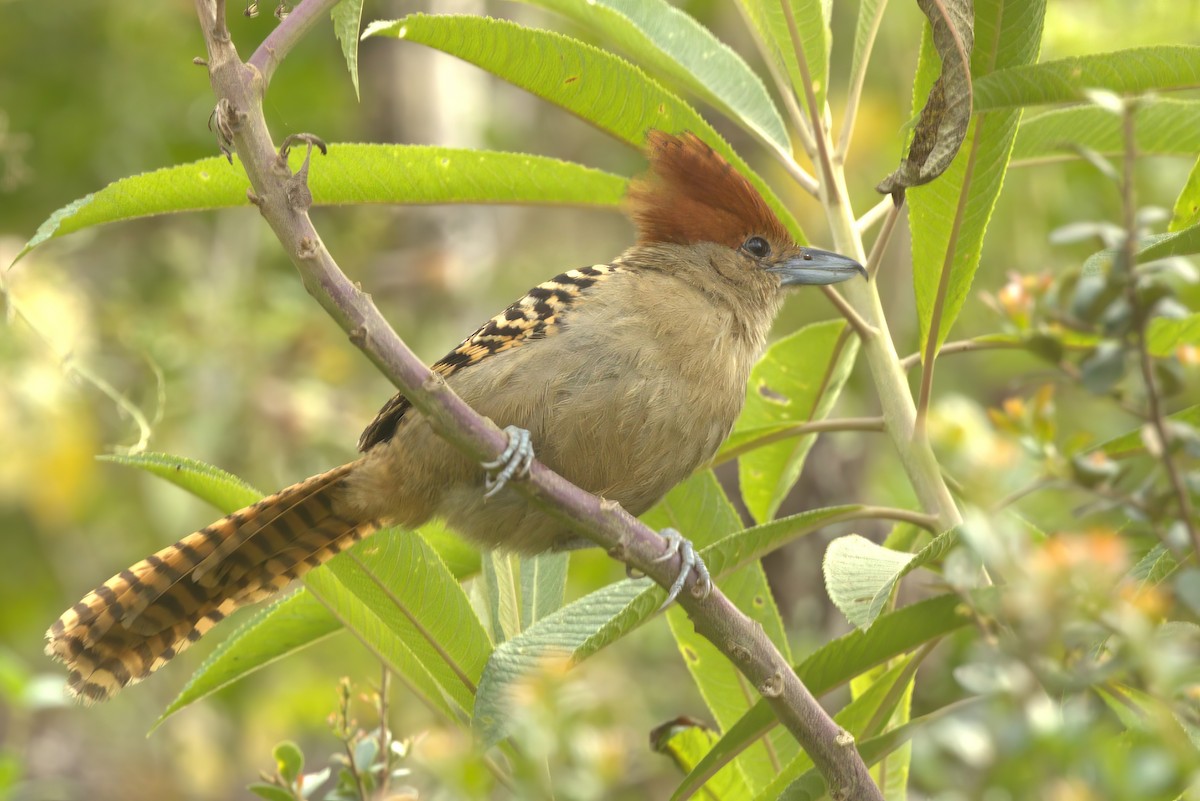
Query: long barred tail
<point x="132" y="624"/>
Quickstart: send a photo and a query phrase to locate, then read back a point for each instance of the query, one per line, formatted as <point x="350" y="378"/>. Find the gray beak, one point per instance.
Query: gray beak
<point x="816" y="267"/>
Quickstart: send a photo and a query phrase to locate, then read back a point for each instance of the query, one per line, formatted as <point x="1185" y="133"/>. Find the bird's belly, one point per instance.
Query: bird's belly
<point x="627" y="431"/>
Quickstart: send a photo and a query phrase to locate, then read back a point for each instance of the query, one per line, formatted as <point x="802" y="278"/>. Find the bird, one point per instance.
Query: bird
<point x="623" y="377"/>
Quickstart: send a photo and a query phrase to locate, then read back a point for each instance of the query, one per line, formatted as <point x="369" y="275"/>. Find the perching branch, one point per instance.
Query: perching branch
<point x="283" y="200"/>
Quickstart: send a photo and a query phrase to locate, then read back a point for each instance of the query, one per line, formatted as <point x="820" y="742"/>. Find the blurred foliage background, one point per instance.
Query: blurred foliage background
<point x="198" y="326"/>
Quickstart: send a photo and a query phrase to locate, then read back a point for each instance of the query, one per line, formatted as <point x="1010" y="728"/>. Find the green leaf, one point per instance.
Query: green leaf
<point x="585" y="626"/>
<point x="349" y="174"/>
<point x="868" y="10"/>
<point x="559" y="635"/>
<point x="407" y="588"/>
<point x="1132" y="71"/>
<point x="944" y="81"/>
<point x="381" y="640"/>
<point x="685" y="741"/>
<point x="543" y="586"/>
<point x="500" y="575"/>
<point x="949" y="216"/>
<point x="1161" y="127"/>
<point x="671" y="43"/>
<point x="271" y="792"/>
<point x="860" y="576"/>
<point x="347" y="17"/>
<point x="811" y="786"/>
<point x="796" y="381"/>
<point x="598" y="86"/>
<point x="836" y="663"/>
<point x="699" y="508"/>
<point x="1187" y="205"/>
<point x="1182" y="243"/>
<point x="223" y="490"/>
<point x="289" y="761"/>
<point x="812" y="21"/>
<point x="1164" y="336"/>
<point x="874" y="705"/>
<point x="1131" y="443"/>
<point x="282" y="628"/>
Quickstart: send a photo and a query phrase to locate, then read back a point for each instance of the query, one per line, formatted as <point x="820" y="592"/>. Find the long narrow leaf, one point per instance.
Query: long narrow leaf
<point x="1132" y="71"/>
<point x="1162" y="127"/>
<point x="599" y="619"/>
<point x="599" y="87"/>
<point x="699" y="508"/>
<point x="351" y="173"/>
<point x="834" y="664"/>
<point x="283" y="628"/>
<point x="671" y="43"/>
<point x="812" y="20"/>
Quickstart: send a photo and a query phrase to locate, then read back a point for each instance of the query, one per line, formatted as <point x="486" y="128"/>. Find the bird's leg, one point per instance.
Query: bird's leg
<point x="690" y="561"/>
<point x="512" y="463"/>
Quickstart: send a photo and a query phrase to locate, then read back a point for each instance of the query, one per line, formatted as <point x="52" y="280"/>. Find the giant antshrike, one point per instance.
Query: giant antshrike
<point x="625" y="376"/>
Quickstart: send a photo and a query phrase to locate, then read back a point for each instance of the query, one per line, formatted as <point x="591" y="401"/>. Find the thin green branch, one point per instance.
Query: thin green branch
<point x="854" y="96"/>
<point x="961" y="346"/>
<point x="885" y="233"/>
<point x="782" y="84"/>
<point x="829" y="188"/>
<point x="286" y="35"/>
<point x="861" y="327"/>
<point x="799" y="430"/>
<point x="1154" y="410"/>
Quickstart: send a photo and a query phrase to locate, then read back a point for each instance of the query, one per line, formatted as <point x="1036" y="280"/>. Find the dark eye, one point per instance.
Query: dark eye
<point x="757" y="246"/>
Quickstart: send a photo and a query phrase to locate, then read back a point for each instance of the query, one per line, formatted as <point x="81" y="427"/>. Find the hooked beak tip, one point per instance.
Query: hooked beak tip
<point x="818" y="268"/>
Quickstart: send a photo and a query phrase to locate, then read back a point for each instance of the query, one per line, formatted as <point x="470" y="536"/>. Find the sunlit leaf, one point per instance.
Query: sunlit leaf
<point x="860" y="576"/>
<point x="671" y="43"/>
<point x="603" y="89"/>
<point x="1132" y="71"/>
<point x="223" y="490"/>
<point x="685" y="741"/>
<point x="349" y="174"/>
<point x="812" y="21"/>
<point x="407" y="588"/>
<point x="284" y="627"/>
<point x="1164" y="335"/>
<point x="347" y="17"/>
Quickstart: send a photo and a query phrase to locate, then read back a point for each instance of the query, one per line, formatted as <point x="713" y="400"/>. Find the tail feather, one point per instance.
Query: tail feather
<point x="139" y="619"/>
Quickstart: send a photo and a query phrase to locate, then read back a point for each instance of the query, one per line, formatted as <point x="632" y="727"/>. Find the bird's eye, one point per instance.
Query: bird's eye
<point x="757" y="246"/>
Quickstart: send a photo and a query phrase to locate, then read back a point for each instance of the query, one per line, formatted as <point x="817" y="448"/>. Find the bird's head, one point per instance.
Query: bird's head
<point x="698" y="216"/>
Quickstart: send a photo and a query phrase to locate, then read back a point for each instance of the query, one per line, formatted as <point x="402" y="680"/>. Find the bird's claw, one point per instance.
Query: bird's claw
<point x="690" y="562"/>
<point x="512" y="463"/>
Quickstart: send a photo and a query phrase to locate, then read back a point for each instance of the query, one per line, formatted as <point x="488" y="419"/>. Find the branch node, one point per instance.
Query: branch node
<point x="739" y="652"/>
<point x="845" y="739"/>
<point x="358" y="336"/>
<point x="434" y="382"/>
<point x="307" y="248"/>
<point x="225" y="121"/>
<point x="772" y="686"/>
<point x="253" y="198"/>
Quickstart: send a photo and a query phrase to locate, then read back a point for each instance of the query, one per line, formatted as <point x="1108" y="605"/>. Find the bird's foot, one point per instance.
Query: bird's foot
<point x="512" y="463"/>
<point x="690" y="562"/>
